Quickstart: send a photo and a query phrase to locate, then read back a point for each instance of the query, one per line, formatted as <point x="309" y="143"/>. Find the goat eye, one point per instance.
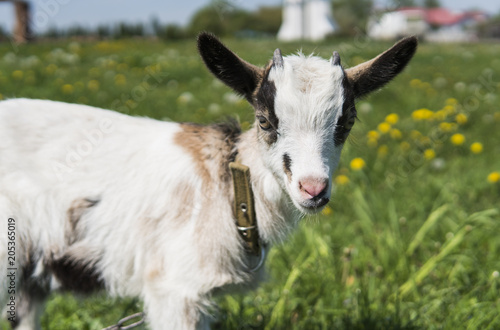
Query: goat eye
<point x="350" y="123"/>
<point x="264" y="123"/>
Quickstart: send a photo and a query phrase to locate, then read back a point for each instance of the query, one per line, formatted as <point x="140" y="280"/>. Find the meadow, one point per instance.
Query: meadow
<point x="410" y="239"/>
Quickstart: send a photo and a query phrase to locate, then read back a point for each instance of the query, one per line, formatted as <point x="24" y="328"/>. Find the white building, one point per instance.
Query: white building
<point x="433" y="24"/>
<point x="306" y="19"/>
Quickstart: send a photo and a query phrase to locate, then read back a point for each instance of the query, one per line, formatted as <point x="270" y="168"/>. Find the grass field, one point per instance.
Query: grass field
<point x="411" y="238"/>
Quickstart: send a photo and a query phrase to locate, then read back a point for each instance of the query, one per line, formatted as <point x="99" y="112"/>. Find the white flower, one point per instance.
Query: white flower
<point x="231" y="98"/>
<point x="185" y="98"/>
<point x="214" y="108"/>
<point x="460" y="86"/>
<point x="365" y="107"/>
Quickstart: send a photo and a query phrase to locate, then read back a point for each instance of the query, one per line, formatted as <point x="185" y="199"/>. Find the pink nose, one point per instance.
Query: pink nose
<point x="311" y="187"/>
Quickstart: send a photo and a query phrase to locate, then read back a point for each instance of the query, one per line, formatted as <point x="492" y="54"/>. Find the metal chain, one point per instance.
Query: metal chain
<point x="120" y="326"/>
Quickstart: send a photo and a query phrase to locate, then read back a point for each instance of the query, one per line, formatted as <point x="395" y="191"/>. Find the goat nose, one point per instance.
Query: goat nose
<point x="312" y="187"/>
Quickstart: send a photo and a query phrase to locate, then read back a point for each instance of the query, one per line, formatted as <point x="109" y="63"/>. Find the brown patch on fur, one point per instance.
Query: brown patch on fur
<point x="76" y="210"/>
<point x="155" y="271"/>
<point x="153" y="274"/>
<point x="211" y="147"/>
<point x="263" y="102"/>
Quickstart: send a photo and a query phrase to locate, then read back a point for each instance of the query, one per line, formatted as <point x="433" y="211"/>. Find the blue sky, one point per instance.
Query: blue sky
<point x="63" y="13"/>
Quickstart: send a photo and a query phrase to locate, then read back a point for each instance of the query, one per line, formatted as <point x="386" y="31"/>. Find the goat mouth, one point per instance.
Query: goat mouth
<point x="314" y="205"/>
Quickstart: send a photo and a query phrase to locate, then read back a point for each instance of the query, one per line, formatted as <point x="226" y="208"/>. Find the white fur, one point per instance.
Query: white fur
<point x="308" y="104"/>
<point x="142" y="239"/>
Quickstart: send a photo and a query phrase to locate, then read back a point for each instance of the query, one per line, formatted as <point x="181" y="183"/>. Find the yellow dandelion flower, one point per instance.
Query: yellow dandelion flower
<point x="67" y="89"/>
<point x="497" y="116"/>
<point x="392" y="118"/>
<point x="493" y="177"/>
<point x="457" y="139"/>
<point x="425" y="85"/>
<point x="342" y="180"/>
<point x="429" y="154"/>
<point x="447" y="127"/>
<point x="18" y="75"/>
<point x="461" y="118"/>
<point x="357" y="164"/>
<point x="440" y="115"/>
<point x="396" y="134"/>
<point x="451" y="101"/>
<point x="351" y="279"/>
<point x="415" y="135"/>
<point x="131" y="104"/>
<point x="51" y="68"/>
<point x="111" y="64"/>
<point x="384" y="127"/>
<point x="404" y="146"/>
<point x="93" y="85"/>
<point x="327" y="211"/>
<point x="415" y="83"/>
<point x="383" y="150"/>
<point x="120" y="80"/>
<point x="373" y="135"/>
<point x="476" y="148"/>
<point x="372" y="142"/>
<point x="1" y="96"/>
<point x="422" y="114"/>
<point x="425" y="140"/>
<point x="449" y="109"/>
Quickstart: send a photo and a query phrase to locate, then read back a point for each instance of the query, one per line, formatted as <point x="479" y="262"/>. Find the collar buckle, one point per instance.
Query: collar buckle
<point x="244" y="211"/>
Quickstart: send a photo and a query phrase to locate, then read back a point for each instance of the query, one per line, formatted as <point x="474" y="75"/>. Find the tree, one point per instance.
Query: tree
<point x="267" y="20"/>
<point x="431" y="4"/>
<point x="224" y="18"/>
<point x="220" y="19"/>
<point x="403" y="3"/>
<point x="351" y="15"/>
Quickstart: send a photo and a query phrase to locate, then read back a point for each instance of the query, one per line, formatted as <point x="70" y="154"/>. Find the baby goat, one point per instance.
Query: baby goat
<point x="145" y="207"/>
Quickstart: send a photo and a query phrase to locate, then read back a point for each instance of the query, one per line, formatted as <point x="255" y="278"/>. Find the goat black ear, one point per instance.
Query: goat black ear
<point x="371" y="75"/>
<point x="238" y="74"/>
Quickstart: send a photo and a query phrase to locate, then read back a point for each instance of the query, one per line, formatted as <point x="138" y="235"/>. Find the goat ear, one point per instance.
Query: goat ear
<point x="371" y="75"/>
<point x="238" y="74"/>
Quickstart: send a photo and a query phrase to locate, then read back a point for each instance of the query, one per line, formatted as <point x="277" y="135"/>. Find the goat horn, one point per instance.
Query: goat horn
<point x="278" y="58"/>
<point x="336" y="58"/>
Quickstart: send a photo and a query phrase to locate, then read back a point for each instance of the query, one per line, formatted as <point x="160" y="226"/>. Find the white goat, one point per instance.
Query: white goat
<point x="97" y="199"/>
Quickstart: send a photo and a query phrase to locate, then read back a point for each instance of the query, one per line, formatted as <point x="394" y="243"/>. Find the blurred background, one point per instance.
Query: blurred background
<point x="439" y="20"/>
<point x="410" y="238"/>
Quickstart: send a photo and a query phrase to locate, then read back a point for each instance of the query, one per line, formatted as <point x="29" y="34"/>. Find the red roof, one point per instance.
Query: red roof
<point x="442" y="16"/>
<point x="439" y="16"/>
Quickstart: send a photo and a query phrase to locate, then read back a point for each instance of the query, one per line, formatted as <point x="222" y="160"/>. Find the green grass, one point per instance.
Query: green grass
<point x="409" y="241"/>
